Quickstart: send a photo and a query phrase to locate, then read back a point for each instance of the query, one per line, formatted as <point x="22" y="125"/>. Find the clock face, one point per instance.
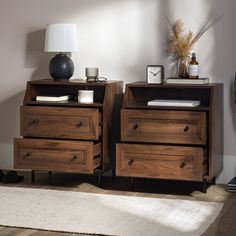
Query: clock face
<point x="155" y="74"/>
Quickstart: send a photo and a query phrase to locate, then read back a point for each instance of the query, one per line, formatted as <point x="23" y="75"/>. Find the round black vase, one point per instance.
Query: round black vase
<point x="61" y="67"/>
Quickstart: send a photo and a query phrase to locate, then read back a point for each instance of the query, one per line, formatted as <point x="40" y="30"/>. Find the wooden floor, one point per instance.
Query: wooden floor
<point x="225" y="223"/>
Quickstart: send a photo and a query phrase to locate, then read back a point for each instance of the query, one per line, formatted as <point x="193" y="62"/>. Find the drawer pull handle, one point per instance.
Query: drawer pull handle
<point x="135" y="127"/>
<point x="186" y="129"/>
<point x="130" y="162"/>
<point x="34" y="122"/>
<point x="74" y="158"/>
<point x="182" y="165"/>
<point x="80" y="124"/>
<point x="27" y="154"/>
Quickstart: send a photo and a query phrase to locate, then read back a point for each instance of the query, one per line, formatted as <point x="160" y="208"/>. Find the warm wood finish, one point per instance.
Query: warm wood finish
<point x="185" y="127"/>
<point x="60" y="122"/>
<point x="149" y="127"/>
<point x="156" y="161"/>
<point x="67" y="125"/>
<point x="57" y="155"/>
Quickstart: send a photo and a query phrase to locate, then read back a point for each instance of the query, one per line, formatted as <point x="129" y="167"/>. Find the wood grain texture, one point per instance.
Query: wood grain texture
<point x="216" y="132"/>
<point x="180" y="127"/>
<point x="56" y="155"/>
<point x="155" y="161"/>
<point x="70" y="121"/>
<point x="59" y="122"/>
<point x="200" y="126"/>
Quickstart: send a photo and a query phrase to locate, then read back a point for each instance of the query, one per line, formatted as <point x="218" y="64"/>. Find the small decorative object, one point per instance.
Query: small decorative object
<point x="61" y="38"/>
<point x="155" y="74"/>
<point x="193" y="67"/>
<point x="85" y="96"/>
<point x="181" y="43"/>
<point x="91" y="73"/>
<point x="187" y="81"/>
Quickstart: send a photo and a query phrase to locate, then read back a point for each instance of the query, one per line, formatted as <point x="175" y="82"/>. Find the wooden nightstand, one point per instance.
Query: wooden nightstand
<point x="178" y="143"/>
<point x="68" y="136"/>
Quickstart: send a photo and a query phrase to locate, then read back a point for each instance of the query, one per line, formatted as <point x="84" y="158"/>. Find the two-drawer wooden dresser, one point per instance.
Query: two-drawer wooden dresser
<point x="68" y="136"/>
<point x="177" y="143"/>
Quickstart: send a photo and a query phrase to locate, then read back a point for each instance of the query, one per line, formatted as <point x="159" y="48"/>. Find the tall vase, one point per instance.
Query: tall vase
<point x="182" y="67"/>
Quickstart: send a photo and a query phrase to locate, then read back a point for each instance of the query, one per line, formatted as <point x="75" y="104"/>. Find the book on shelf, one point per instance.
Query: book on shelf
<point x="232" y="183"/>
<point x="233" y="190"/>
<point x="174" y="103"/>
<point x="53" y="98"/>
<point x="187" y="81"/>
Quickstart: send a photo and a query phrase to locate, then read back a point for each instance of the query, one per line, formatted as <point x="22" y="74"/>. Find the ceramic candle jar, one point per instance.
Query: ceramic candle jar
<point x="85" y="96"/>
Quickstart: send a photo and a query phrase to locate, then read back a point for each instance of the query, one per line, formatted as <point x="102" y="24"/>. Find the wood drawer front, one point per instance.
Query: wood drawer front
<point x="54" y="122"/>
<point x="56" y="155"/>
<point x="154" y="161"/>
<point x="184" y="127"/>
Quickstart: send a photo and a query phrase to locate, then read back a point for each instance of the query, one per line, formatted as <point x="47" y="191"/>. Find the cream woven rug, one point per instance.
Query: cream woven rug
<point x="91" y="213"/>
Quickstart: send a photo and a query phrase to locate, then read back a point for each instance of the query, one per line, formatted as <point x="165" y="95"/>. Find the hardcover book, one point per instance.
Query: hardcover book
<point x="232" y="182"/>
<point x="187" y="81"/>
<point x="53" y="98"/>
<point x="233" y="190"/>
<point x="174" y="103"/>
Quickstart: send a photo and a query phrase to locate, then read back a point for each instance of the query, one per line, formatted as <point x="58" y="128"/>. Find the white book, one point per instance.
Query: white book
<point x="187" y="81"/>
<point x="174" y="103"/>
<point x="52" y="98"/>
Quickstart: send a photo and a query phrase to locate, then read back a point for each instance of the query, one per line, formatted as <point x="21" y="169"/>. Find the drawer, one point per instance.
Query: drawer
<point x="165" y="162"/>
<point x="58" y="122"/>
<point x="56" y="155"/>
<point x="180" y="127"/>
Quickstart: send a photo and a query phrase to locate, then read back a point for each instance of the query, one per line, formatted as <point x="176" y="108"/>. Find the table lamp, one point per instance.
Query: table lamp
<point x="61" y="38"/>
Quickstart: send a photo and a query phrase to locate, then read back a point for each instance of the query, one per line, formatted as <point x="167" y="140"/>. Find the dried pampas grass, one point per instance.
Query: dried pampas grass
<point x="182" y="43"/>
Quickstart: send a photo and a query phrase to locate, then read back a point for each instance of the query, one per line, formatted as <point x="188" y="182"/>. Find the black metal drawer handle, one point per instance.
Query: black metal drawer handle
<point x="26" y="155"/>
<point x="34" y="122"/>
<point x="130" y="162"/>
<point x="80" y="125"/>
<point x="135" y="127"/>
<point x="183" y="164"/>
<point x="74" y="158"/>
<point x="186" y="129"/>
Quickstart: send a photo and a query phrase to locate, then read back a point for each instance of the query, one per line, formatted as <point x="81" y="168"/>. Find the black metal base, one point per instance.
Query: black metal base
<point x="113" y="171"/>
<point x="99" y="178"/>
<point x="204" y="186"/>
<point x="132" y="182"/>
<point x="32" y="176"/>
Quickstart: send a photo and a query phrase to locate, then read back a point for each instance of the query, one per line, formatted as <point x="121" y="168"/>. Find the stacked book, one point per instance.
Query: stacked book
<point x="173" y="103"/>
<point x="187" y="81"/>
<point x="53" y="98"/>
<point x="231" y="187"/>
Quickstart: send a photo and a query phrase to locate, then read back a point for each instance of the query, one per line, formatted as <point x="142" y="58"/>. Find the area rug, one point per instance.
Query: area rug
<point x="89" y="213"/>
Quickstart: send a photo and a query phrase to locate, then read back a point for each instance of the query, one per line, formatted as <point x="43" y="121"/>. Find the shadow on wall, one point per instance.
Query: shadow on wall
<point x="224" y="67"/>
<point x="9" y="121"/>
<point x="35" y="57"/>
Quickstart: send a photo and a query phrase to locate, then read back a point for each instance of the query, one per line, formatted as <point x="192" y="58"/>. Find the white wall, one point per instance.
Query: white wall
<point x="121" y="37"/>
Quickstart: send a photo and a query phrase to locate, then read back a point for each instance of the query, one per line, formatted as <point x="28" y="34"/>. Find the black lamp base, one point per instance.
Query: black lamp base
<point x="61" y="67"/>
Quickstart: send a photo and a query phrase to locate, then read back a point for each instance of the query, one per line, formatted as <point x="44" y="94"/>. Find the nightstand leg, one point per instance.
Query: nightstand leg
<point x="32" y="176"/>
<point x="214" y="181"/>
<point x="99" y="178"/>
<point x="132" y="182"/>
<point x="204" y="186"/>
<point x="50" y="175"/>
<point x="113" y="174"/>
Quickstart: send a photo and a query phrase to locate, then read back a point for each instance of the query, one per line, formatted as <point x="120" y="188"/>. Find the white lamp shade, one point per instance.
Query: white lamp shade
<point x="61" y="38"/>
